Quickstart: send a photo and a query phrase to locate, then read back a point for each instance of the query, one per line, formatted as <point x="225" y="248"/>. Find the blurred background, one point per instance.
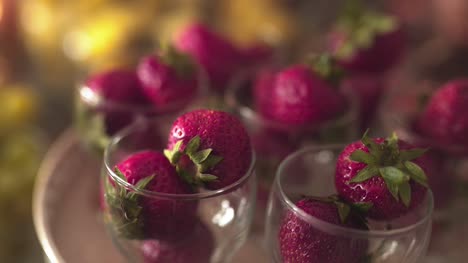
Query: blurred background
<point x="48" y="46"/>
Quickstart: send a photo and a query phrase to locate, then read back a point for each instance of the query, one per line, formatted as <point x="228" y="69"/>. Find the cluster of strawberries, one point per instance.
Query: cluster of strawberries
<point x="380" y="179"/>
<point x="206" y="150"/>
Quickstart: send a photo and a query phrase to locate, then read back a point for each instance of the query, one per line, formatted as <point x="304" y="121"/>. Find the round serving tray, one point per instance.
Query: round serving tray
<point x="65" y="209"/>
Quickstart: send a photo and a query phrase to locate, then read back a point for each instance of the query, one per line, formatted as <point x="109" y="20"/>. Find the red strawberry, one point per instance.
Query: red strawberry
<point x="364" y="41"/>
<point x="109" y="96"/>
<point x="196" y="248"/>
<point x="262" y="86"/>
<point x="138" y="216"/>
<point x="388" y="174"/>
<point x="169" y="80"/>
<point x="445" y="118"/>
<point x="301" y="242"/>
<point x="216" y="143"/>
<point x="297" y="96"/>
<point x="118" y="86"/>
<point x="368" y="90"/>
<point x="219" y="57"/>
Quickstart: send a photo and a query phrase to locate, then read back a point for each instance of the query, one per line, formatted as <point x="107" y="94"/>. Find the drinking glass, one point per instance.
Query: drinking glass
<point x="273" y="141"/>
<point x="311" y="172"/>
<point x="97" y="119"/>
<point x="223" y="216"/>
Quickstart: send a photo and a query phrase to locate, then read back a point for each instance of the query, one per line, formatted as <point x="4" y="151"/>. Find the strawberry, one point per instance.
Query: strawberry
<point x="301" y="242"/>
<point x="196" y="248"/>
<point x="107" y="98"/>
<point x="117" y="86"/>
<point x="136" y="216"/>
<point x="262" y="85"/>
<point x="220" y="58"/>
<point x="368" y="89"/>
<point x="210" y="147"/>
<point x="168" y="80"/>
<point x="299" y="95"/>
<point x="388" y="174"/>
<point x="444" y="119"/>
<point x="365" y="41"/>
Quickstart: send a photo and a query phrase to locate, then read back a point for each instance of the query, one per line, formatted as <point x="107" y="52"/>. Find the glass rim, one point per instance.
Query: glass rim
<point x="330" y="227"/>
<point x="247" y="111"/>
<point x="89" y="97"/>
<point x="113" y="145"/>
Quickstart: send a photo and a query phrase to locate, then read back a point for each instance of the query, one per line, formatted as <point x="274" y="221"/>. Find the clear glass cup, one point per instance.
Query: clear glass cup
<point x="96" y="119"/>
<point x="223" y="216"/>
<point x="399" y="112"/>
<point x="273" y="141"/>
<point x="311" y="172"/>
<point x="426" y="70"/>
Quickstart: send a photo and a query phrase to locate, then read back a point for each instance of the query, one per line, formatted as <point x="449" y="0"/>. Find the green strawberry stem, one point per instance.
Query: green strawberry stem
<point x="327" y="67"/>
<point x="124" y="208"/>
<point x="182" y="63"/>
<point x="395" y="166"/>
<point x="202" y="159"/>
<point x="361" y="26"/>
<point x="91" y="125"/>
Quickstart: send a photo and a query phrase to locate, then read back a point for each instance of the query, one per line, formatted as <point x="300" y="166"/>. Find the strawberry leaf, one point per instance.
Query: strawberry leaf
<point x="408" y="155"/>
<point x="369" y="143"/>
<point x="124" y="208"/>
<point x="416" y="173"/>
<point x="392" y="142"/>
<point x="392" y="188"/>
<point x="361" y="156"/>
<point x="405" y="193"/>
<point x="327" y="67"/>
<point x="393" y="175"/>
<point x="122" y="190"/>
<point x="182" y="63"/>
<point x="131" y="211"/>
<point x="94" y="127"/>
<point x="200" y="156"/>
<point x="361" y="27"/>
<point x="343" y="210"/>
<point x="393" y="178"/>
<point x="177" y="146"/>
<point x="186" y="176"/>
<point x="174" y="155"/>
<point x="141" y="185"/>
<point x="193" y="145"/>
<point x="210" y="162"/>
<point x="168" y="153"/>
<point x="207" y="177"/>
<point x="120" y="174"/>
<point x="365" y="174"/>
<point x="363" y="207"/>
